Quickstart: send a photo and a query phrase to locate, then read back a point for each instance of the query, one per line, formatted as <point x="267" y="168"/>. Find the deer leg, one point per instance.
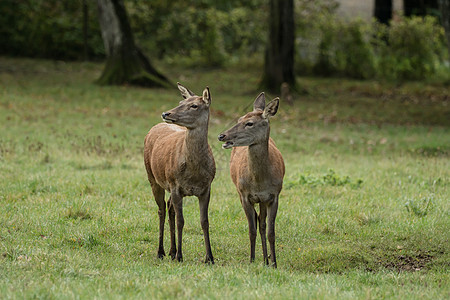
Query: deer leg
<point x="262" y="230"/>
<point x="251" y="218"/>
<point x="173" y="246"/>
<point x="177" y="201"/>
<point x="272" y="212"/>
<point x="204" y="204"/>
<point x="158" y="193"/>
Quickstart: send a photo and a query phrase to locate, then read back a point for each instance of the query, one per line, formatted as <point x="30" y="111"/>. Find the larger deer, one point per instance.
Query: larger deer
<point x="179" y="160"/>
<point x="257" y="171"/>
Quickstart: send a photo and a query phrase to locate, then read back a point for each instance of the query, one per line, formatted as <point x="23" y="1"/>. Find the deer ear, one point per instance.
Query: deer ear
<point x="271" y="108"/>
<point x="260" y="102"/>
<point x="185" y="92"/>
<point x="207" y="96"/>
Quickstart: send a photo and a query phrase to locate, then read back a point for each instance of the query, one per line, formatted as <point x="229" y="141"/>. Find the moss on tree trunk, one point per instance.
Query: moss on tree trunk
<point x="131" y="68"/>
<point x="125" y="63"/>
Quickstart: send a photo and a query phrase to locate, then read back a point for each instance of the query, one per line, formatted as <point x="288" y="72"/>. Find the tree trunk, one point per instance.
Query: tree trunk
<point x="419" y="7"/>
<point x="383" y="11"/>
<point x="85" y="30"/>
<point x="125" y="63"/>
<point x="279" y="56"/>
<point x="444" y="6"/>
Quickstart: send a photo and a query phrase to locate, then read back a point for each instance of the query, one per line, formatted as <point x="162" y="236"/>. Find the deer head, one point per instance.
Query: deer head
<point x="252" y="128"/>
<point x="191" y="112"/>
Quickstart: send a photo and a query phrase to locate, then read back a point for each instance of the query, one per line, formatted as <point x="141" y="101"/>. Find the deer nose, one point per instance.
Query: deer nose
<point x="165" y="115"/>
<point x="221" y="137"/>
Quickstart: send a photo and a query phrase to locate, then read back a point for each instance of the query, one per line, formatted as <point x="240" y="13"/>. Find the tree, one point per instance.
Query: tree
<point x="85" y="30"/>
<point x="444" y="6"/>
<point x="383" y="11"/>
<point x="279" y="56"/>
<point x="420" y="7"/>
<point x="125" y="62"/>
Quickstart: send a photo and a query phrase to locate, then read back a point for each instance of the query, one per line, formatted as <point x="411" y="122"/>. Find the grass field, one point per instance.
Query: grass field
<point x="364" y="212"/>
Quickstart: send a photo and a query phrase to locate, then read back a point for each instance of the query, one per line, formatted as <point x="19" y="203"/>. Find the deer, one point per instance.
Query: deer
<point x="179" y="160"/>
<point x="257" y="170"/>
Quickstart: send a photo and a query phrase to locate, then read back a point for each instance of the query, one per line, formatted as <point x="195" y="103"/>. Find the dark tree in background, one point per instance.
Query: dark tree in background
<point x="125" y="63"/>
<point x="383" y="11"/>
<point x="420" y="7"/>
<point x="444" y="6"/>
<point x="279" y="56"/>
<point x="85" y="30"/>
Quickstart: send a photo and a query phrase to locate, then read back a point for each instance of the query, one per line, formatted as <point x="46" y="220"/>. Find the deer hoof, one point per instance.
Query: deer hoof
<point x="173" y="254"/>
<point x="209" y="260"/>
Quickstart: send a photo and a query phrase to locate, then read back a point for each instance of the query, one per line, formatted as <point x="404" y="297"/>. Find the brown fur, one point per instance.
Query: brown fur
<point x="257" y="170"/>
<point x="179" y="160"/>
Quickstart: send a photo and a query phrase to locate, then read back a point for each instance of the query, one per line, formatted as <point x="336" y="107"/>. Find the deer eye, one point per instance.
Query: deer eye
<point x="249" y="124"/>
<point x="194" y="106"/>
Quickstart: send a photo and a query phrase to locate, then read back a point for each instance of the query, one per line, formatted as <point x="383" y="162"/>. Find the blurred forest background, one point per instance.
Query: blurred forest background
<point x="404" y="40"/>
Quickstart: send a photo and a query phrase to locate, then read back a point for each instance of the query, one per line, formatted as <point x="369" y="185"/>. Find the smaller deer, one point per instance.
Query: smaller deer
<point x="257" y="171"/>
<point x="179" y="160"/>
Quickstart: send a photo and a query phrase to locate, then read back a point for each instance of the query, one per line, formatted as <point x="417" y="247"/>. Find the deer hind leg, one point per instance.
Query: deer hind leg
<point x="177" y="201"/>
<point x="251" y="218"/>
<point x="204" y="204"/>
<point x="272" y="213"/>
<point x="173" y="246"/>
<point x="262" y="230"/>
<point x="158" y="193"/>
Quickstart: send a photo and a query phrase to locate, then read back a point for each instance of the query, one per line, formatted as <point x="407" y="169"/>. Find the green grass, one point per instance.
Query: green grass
<point x="364" y="212"/>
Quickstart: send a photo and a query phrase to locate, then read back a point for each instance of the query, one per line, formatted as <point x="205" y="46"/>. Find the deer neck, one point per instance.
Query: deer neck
<point x="196" y="144"/>
<point x="258" y="156"/>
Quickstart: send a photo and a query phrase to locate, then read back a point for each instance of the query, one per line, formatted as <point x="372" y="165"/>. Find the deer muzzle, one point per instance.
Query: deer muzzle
<point x="165" y="117"/>
<point x="228" y="144"/>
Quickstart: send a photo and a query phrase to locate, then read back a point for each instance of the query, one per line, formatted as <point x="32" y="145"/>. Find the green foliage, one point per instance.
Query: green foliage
<point x="329" y="178"/>
<point x="205" y="33"/>
<point x="78" y="213"/>
<point x="345" y="49"/>
<point x="420" y="207"/>
<point x="413" y="49"/>
<point x="219" y="33"/>
<point x="48" y="28"/>
<point x="86" y="241"/>
<point x="409" y="49"/>
<point x="313" y="42"/>
<point x="428" y="150"/>
<point x="355" y="52"/>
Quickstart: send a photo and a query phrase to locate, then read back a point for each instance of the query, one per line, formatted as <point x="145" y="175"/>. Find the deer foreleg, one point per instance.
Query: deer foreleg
<point x="262" y="230"/>
<point x="173" y="246"/>
<point x="272" y="213"/>
<point x="177" y="202"/>
<point x="204" y="204"/>
<point x="251" y="218"/>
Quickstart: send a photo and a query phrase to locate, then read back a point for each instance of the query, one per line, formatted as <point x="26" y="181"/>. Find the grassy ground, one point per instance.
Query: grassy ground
<point x="364" y="212"/>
